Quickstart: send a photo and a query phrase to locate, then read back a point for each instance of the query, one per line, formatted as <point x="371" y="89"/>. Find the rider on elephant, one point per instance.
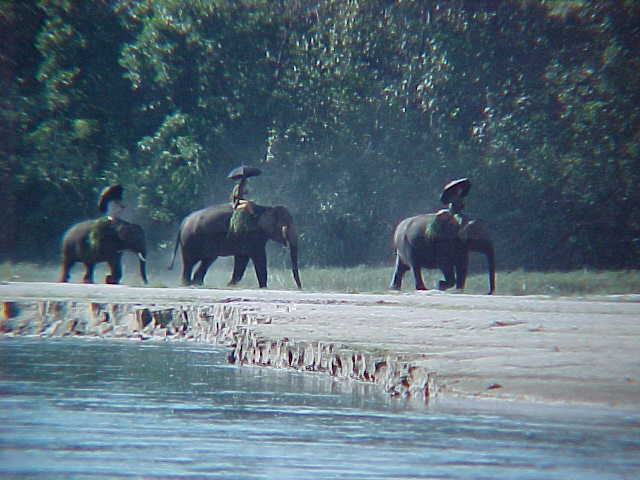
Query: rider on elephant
<point x="244" y="215"/>
<point x="110" y="204"/>
<point x="451" y="218"/>
<point x="453" y="196"/>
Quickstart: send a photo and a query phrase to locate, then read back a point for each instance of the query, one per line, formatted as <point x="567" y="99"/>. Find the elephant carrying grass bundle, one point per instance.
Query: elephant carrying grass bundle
<point x="204" y="235"/>
<point x="103" y="228"/>
<point x="102" y="240"/>
<point x="438" y="240"/>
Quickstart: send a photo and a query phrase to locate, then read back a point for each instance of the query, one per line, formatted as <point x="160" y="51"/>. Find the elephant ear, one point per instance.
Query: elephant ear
<point x="282" y="215"/>
<point x="272" y="219"/>
<point x="272" y="216"/>
<point x="474" y="230"/>
<point x="124" y="229"/>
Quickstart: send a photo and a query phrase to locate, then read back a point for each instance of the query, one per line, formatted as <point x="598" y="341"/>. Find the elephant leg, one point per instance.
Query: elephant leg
<point x="461" y="271"/>
<point x="187" y="269"/>
<point x="201" y="271"/>
<point x="88" y="273"/>
<point x="449" y="277"/>
<point x="240" y="263"/>
<point x="401" y="269"/>
<point x="66" y="270"/>
<point x="447" y="255"/>
<point x="115" y="265"/>
<point x="417" y="275"/>
<point x="260" y="265"/>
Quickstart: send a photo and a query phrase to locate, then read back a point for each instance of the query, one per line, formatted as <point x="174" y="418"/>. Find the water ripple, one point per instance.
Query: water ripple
<point x="86" y="409"/>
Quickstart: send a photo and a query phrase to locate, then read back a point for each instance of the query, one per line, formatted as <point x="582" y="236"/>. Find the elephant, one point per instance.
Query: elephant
<point x="204" y="236"/>
<point x="448" y="251"/>
<point x="102" y="240"/>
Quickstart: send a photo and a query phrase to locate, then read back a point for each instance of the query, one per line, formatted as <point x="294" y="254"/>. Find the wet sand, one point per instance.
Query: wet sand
<point x="579" y="351"/>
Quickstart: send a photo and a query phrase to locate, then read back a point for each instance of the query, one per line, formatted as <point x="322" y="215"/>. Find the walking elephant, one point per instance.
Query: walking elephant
<point x="204" y="236"/>
<point x="102" y="240"/>
<point x="448" y="250"/>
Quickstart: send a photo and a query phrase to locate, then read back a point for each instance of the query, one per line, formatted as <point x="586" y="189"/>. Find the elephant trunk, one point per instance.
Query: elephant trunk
<point x="143" y="266"/>
<point x="291" y="240"/>
<point x="294" y="265"/>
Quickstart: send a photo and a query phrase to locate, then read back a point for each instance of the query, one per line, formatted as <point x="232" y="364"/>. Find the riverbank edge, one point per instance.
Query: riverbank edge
<point x="227" y="323"/>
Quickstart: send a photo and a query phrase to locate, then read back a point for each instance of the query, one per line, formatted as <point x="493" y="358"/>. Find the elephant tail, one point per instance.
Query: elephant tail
<point x="175" y="251"/>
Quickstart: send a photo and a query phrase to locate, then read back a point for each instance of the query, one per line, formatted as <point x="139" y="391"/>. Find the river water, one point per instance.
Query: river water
<point x="77" y="408"/>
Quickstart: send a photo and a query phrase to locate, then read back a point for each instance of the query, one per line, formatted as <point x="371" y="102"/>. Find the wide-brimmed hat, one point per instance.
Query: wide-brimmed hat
<point x="464" y="184"/>
<point x="244" y="171"/>
<point x="110" y="193"/>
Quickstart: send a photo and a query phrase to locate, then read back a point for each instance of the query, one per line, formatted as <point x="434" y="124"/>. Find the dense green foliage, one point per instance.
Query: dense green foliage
<point x="357" y="112"/>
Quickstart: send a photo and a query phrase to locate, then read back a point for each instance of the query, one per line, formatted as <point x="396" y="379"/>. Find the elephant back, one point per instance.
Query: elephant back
<point x="216" y="220"/>
<point x="207" y="221"/>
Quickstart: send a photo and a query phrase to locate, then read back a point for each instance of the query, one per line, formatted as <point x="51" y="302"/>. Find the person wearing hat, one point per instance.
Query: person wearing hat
<point x="238" y="196"/>
<point x="111" y="206"/>
<point x="243" y="210"/>
<point x="452" y="196"/>
<point x="110" y="202"/>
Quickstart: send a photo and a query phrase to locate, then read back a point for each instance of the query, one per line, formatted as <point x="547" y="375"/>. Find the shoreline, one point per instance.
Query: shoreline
<point x="426" y="346"/>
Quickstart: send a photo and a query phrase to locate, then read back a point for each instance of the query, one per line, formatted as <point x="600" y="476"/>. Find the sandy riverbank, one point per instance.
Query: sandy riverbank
<point x="552" y="350"/>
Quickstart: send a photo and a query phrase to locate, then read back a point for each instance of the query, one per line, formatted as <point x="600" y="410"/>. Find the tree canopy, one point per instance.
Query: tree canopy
<point x="357" y="112"/>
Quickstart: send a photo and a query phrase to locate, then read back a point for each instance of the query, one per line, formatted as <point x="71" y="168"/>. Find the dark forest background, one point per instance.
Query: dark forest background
<point x="358" y="112"/>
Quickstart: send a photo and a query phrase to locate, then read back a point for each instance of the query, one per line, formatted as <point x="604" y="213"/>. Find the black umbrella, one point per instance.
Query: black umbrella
<point x="464" y="184"/>
<point x="243" y="171"/>
<point x="112" y="192"/>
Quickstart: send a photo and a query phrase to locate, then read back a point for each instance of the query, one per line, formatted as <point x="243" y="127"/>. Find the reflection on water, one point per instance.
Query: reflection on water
<point x="77" y="408"/>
